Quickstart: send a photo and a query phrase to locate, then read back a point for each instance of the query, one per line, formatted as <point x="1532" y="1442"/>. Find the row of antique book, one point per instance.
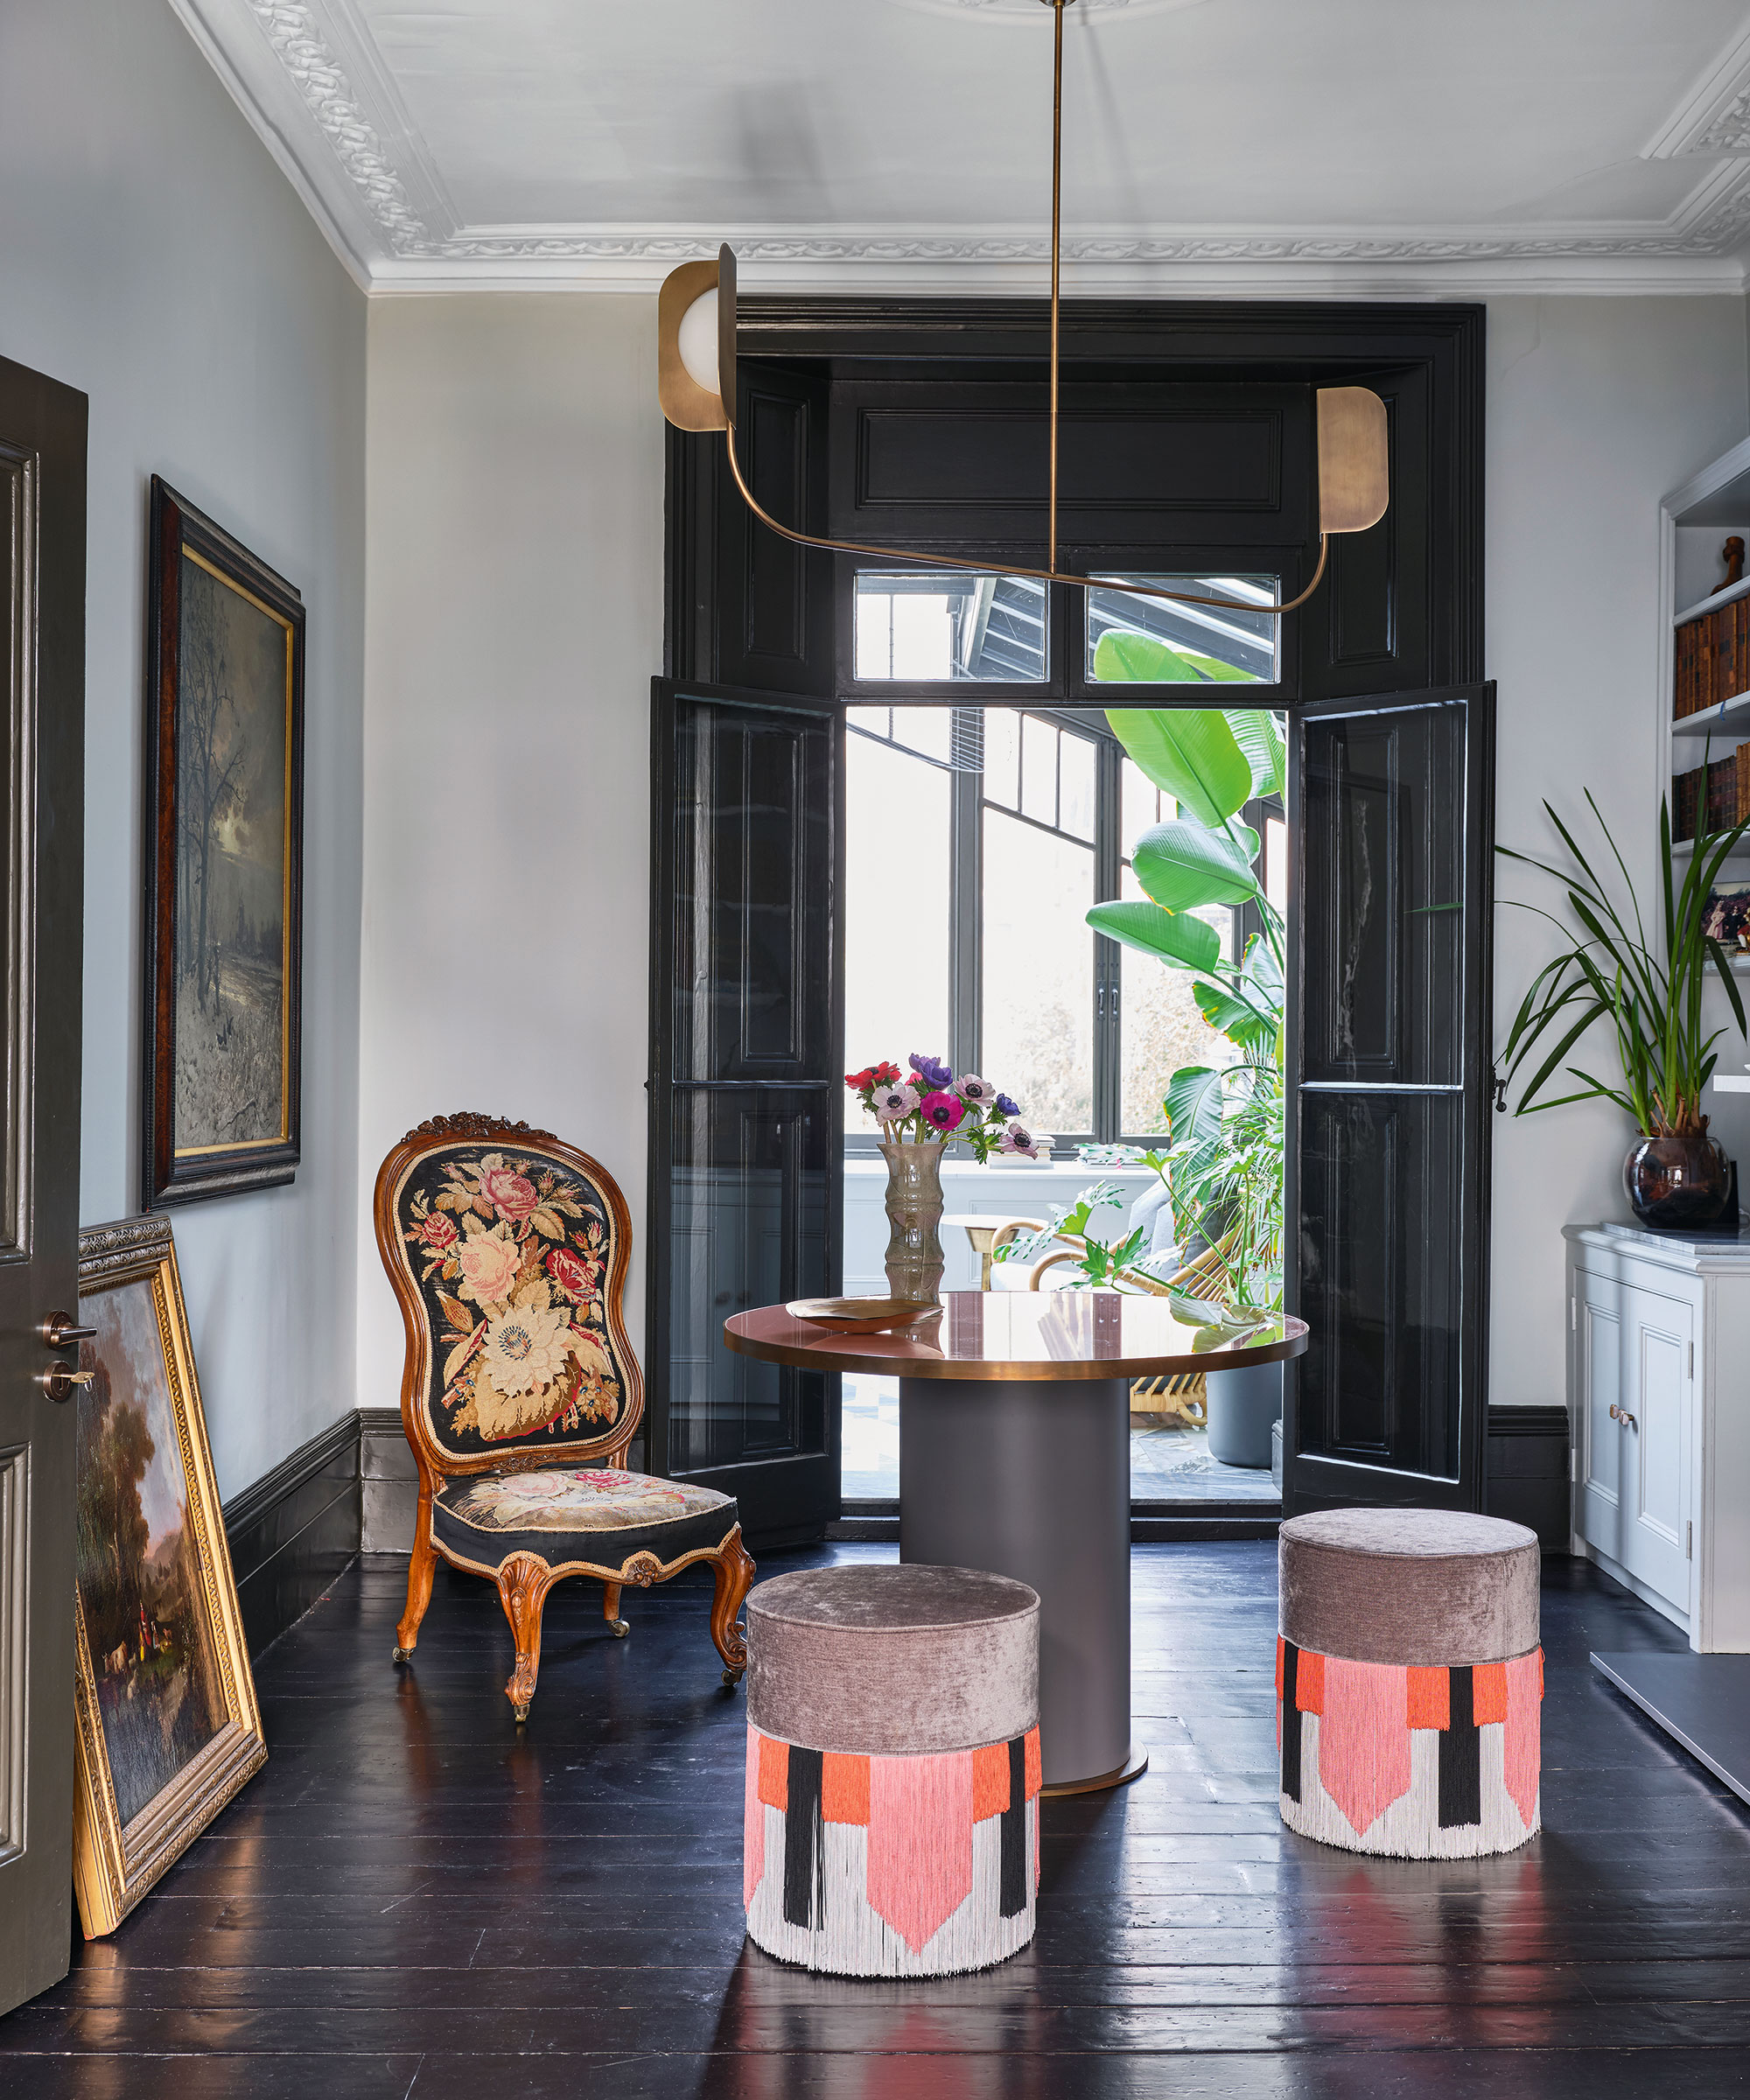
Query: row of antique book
<point x="1713" y="658"/>
<point x="1725" y="783"/>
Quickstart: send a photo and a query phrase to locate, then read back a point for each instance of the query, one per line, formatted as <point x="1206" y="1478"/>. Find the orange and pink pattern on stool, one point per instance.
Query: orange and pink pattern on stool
<point x="920" y="1814"/>
<point x="1369" y="1714"/>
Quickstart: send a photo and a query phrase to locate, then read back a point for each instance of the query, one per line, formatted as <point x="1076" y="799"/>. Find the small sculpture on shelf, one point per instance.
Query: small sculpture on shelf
<point x="1732" y="554"/>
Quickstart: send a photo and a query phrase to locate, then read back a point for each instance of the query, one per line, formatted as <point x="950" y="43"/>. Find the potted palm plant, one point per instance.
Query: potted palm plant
<point x="1677" y="1176"/>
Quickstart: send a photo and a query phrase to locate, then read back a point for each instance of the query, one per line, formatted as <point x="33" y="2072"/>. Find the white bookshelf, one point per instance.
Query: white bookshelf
<point x="1695" y="522"/>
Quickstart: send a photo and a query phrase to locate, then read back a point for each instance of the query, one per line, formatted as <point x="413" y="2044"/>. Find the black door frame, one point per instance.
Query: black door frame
<point x="1426" y="358"/>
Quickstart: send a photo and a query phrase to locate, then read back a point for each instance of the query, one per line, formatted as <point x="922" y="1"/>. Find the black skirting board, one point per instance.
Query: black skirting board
<point x="1702" y="1702"/>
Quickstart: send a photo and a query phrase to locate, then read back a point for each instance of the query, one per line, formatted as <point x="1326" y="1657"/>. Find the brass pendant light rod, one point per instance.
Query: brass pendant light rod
<point x="1353" y="469"/>
<point x="1057" y="8"/>
<point x="1129" y="587"/>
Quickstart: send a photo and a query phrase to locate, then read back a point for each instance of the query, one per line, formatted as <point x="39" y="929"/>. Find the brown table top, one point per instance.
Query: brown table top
<point x="1022" y="1334"/>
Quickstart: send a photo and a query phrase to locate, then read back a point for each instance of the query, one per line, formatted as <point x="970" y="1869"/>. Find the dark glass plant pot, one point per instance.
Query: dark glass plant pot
<point x="1678" y="1181"/>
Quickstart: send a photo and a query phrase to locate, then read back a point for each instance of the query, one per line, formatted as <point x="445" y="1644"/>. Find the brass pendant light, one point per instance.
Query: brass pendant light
<point x="696" y="384"/>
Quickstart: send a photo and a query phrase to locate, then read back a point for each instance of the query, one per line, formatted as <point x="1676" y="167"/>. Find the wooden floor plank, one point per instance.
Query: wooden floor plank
<point x="415" y="1901"/>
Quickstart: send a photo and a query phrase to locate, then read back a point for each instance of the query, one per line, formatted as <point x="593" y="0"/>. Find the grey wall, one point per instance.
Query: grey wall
<point x="515" y="621"/>
<point x="152" y="254"/>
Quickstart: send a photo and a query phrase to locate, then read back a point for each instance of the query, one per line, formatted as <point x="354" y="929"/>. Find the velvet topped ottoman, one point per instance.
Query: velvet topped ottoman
<point x="1409" y="1681"/>
<point x="892" y="1769"/>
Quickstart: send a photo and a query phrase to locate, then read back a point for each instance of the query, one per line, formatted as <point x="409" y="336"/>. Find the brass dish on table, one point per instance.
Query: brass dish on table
<point x="860" y="1315"/>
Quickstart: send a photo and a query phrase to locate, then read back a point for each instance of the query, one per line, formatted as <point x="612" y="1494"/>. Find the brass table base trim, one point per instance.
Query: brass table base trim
<point x="1133" y="1768"/>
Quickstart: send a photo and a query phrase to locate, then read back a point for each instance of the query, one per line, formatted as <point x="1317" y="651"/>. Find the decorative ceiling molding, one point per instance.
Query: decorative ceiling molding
<point x="1714" y="117"/>
<point x="313" y="68"/>
<point x="1028" y="10"/>
<point x="309" y="78"/>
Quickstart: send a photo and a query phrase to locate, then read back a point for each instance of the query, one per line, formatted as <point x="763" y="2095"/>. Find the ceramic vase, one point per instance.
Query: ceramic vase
<point x="1679" y="1181"/>
<point x="915" y="1259"/>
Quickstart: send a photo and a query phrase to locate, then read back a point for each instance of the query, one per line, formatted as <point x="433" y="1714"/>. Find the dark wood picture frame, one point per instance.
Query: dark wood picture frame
<point x="176" y="1172"/>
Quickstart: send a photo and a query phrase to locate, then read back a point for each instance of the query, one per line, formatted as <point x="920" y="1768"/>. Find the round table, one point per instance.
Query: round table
<point x="1015" y="1456"/>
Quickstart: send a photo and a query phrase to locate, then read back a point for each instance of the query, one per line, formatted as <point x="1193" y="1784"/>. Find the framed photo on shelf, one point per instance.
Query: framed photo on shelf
<point x="168" y="1726"/>
<point x="224" y="877"/>
<point x="1727" y="919"/>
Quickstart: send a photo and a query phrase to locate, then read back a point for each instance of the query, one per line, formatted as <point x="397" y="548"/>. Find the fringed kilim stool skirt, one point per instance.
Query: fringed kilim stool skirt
<point x="1409" y="1682"/>
<point x="879" y="1840"/>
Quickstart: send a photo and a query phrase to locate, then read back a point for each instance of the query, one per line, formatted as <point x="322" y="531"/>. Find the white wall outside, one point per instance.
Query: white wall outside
<point x="1596" y="408"/>
<point x="152" y="255"/>
<point x="515" y="503"/>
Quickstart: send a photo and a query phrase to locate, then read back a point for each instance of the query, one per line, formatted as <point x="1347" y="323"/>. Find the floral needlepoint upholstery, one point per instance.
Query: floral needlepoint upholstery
<point x="595" y="1516"/>
<point x="507" y="1249"/>
<point x="510" y="1250"/>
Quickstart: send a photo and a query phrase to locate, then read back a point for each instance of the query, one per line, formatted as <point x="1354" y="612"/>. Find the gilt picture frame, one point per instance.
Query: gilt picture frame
<point x="224" y="877"/>
<point x="168" y="1727"/>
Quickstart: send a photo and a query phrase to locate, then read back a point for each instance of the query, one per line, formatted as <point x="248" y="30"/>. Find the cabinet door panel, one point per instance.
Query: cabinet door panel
<point x="1656" y="1451"/>
<point x="1634" y="1357"/>
<point x="1601" y="1389"/>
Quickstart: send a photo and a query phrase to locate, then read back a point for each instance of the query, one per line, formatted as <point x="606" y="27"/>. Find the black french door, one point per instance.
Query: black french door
<point x="1391" y="824"/>
<point x="746" y="1114"/>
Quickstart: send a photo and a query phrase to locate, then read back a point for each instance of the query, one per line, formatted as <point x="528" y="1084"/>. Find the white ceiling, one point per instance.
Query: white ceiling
<point x="1286" y="145"/>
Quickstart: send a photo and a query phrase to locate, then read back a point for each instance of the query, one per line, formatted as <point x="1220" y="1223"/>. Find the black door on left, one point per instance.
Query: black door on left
<point x="746" y="1115"/>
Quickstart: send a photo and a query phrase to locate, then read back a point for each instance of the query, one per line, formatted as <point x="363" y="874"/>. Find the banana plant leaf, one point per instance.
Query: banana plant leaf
<point x="1191" y="753"/>
<point x="1192" y="1103"/>
<point x="1182" y="864"/>
<point x="1124" y="657"/>
<point x="1177" y="937"/>
<point x="1258" y="734"/>
<point x="1241" y="1023"/>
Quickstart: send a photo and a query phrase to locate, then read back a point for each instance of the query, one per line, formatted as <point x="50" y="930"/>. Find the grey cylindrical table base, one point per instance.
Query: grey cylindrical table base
<point x="1032" y="1479"/>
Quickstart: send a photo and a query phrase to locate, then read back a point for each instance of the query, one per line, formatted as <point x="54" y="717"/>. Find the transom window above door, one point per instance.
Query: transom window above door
<point x="926" y="630"/>
<point x="919" y="627"/>
<point x="977" y="839"/>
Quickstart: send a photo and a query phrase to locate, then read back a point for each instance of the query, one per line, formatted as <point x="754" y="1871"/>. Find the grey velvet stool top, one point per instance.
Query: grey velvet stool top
<point x="1423" y="1587"/>
<point x="888" y="1659"/>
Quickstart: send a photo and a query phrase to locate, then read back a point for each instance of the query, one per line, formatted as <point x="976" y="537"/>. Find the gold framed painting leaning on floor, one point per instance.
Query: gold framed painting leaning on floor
<point x="169" y="1728"/>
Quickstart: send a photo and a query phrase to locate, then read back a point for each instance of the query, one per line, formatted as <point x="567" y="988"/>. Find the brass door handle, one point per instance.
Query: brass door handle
<point x="60" y="1333"/>
<point x="1622" y="1415"/>
<point x="59" y="1384"/>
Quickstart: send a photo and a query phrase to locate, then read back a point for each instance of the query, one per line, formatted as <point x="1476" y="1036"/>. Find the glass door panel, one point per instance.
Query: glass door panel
<point x="746" y="1094"/>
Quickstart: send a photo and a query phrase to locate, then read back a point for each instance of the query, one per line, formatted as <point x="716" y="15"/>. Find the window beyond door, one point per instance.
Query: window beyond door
<point x="976" y="839"/>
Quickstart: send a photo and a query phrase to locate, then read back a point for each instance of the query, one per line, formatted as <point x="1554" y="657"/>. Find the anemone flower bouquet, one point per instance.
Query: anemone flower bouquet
<point x="928" y="1105"/>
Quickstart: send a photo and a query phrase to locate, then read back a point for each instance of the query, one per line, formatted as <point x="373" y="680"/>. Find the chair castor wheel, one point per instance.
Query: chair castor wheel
<point x="401" y="1655"/>
<point x="521" y="1713"/>
<point x="731" y="1677"/>
<point x="619" y="1628"/>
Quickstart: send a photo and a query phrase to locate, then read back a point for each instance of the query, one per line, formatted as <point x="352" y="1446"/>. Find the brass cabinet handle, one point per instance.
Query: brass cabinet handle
<point x="1622" y="1415"/>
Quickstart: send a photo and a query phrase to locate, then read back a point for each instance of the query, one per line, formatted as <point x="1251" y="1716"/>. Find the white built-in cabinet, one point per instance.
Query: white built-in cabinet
<point x="1659" y="1409"/>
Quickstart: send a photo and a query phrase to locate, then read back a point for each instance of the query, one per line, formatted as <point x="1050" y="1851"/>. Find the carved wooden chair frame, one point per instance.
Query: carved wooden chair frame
<point x="524" y="1578"/>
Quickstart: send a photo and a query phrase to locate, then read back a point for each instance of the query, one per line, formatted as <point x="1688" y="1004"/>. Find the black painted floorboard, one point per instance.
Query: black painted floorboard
<point x="411" y="1900"/>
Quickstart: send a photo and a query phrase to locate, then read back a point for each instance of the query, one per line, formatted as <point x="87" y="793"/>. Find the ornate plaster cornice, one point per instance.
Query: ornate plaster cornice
<point x="1714" y="117"/>
<point x="314" y="70"/>
<point x="358" y="162"/>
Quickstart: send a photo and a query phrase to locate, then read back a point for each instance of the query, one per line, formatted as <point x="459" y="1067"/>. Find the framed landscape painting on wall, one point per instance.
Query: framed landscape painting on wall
<point x="168" y="1726"/>
<point x="224" y="862"/>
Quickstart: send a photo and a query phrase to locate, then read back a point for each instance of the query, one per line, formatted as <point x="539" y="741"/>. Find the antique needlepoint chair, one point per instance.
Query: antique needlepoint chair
<point x="507" y="1251"/>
